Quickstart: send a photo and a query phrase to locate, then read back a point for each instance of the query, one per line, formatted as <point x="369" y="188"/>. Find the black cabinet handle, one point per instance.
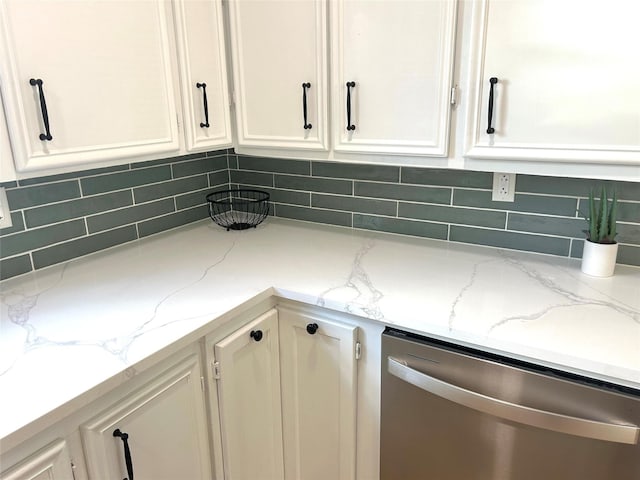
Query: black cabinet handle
<point x="490" y="129"/>
<point x="350" y="85"/>
<point x="306" y="85"/>
<point x="256" y="335"/>
<point x="312" y="328"/>
<point x="206" y="105"/>
<point x="43" y="107"/>
<point x="127" y="452"/>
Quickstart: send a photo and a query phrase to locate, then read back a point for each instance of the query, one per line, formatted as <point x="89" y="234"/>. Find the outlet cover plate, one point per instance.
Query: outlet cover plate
<point x="504" y="187"/>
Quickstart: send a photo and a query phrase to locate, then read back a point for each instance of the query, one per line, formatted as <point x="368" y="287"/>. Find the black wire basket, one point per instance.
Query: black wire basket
<point x="238" y="209"/>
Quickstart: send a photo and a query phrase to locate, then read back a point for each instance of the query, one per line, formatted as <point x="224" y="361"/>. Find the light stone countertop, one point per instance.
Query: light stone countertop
<point x="67" y="329"/>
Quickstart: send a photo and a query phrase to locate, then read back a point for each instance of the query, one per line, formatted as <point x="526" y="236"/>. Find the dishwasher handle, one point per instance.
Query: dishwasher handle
<point x="510" y="411"/>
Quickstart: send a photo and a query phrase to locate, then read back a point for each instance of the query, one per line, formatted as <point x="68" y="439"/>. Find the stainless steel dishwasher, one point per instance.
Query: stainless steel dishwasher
<point x="453" y="413"/>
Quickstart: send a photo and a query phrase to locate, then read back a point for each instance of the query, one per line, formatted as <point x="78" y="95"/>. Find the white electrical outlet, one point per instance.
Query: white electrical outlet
<point x="5" y="215"/>
<point x="504" y="187"/>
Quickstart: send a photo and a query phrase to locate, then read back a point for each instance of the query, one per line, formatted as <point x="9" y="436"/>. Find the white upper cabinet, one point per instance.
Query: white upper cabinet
<point x="392" y="68"/>
<point x="87" y="81"/>
<point x="7" y="168"/>
<point x="50" y="463"/>
<point x="203" y="74"/>
<point x="567" y="81"/>
<point x="279" y="51"/>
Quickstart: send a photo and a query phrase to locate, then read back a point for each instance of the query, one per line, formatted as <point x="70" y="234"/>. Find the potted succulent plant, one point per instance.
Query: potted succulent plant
<point x="600" y="247"/>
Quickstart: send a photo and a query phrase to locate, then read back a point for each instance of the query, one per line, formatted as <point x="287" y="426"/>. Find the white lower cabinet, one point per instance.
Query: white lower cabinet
<point x="290" y="386"/>
<point x="287" y="398"/>
<point x="318" y="383"/>
<point x="164" y="425"/>
<point x="249" y="401"/>
<point x="50" y="463"/>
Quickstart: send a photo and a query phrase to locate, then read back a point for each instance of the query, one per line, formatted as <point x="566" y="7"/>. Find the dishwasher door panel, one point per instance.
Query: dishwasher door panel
<point x="425" y="436"/>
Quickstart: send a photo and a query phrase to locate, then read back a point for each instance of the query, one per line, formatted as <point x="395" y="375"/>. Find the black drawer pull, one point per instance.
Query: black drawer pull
<point x="312" y="328"/>
<point x="206" y="105"/>
<point x="306" y="85"/>
<point x="43" y="108"/>
<point x="256" y="335"/>
<point x="350" y="85"/>
<point x="127" y="452"/>
<point x="490" y="129"/>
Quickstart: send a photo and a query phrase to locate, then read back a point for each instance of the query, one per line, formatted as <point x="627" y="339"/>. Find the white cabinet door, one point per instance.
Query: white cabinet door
<point x="50" y="463"/>
<point x="166" y="426"/>
<point x="249" y="401"/>
<point x="106" y="80"/>
<point x="279" y="57"/>
<point x="397" y="57"/>
<point x="318" y="368"/>
<point x="567" y="76"/>
<point x="200" y="41"/>
<point x="7" y="168"/>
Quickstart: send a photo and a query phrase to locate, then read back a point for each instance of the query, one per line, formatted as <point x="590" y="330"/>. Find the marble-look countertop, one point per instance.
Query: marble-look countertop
<point x="70" y="327"/>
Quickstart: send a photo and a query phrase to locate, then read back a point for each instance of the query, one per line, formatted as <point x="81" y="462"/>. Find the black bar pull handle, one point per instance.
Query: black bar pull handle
<point x="350" y="85"/>
<point x="490" y="129"/>
<point x="127" y="452"/>
<point x="306" y="85"/>
<point x="206" y="105"/>
<point x="43" y="107"/>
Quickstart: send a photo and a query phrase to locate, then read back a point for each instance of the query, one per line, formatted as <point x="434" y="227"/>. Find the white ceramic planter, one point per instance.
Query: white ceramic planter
<point x="599" y="259"/>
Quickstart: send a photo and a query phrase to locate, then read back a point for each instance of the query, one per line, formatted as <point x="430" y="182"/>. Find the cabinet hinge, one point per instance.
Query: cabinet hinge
<point x="358" y="350"/>
<point x="202" y="383"/>
<point x="454" y="95"/>
<point x="73" y="470"/>
<point x="216" y="370"/>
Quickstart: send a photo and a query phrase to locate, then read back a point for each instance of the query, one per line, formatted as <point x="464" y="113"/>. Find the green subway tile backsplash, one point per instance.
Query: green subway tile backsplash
<point x="82" y="246"/>
<point x="397" y="225"/>
<point x="450" y="178"/>
<point x="122" y="203"/>
<point x="170" y="188"/>
<point x="160" y="224"/>
<point x="22" y="242"/>
<point x="292" y="197"/>
<point x="447" y="204"/>
<point x="563" y="227"/>
<point x="456" y="215"/>
<point x="126" y="216"/>
<point x="203" y="165"/>
<point x="354" y="204"/>
<point x="252" y="178"/>
<point x="628" y="254"/>
<point x="274" y="165"/>
<point x="60" y="217"/>
<point x="381" y="173"/>
<point x="122" y="180"/>
<point x="82" y="207"/>
<point x="410" y="193"/>
<point x="192" y="199"/>
<point x="511" y="240"/>
<point x="15" y="266"/>
<point x="310" y="184"/>
<point x="316" y="215"/>
<point x="25" y="197"/>
<point x="564" y="206"/>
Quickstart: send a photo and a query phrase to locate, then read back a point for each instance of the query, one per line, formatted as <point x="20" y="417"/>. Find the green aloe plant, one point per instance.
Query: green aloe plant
<point x="602" y="218"/>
